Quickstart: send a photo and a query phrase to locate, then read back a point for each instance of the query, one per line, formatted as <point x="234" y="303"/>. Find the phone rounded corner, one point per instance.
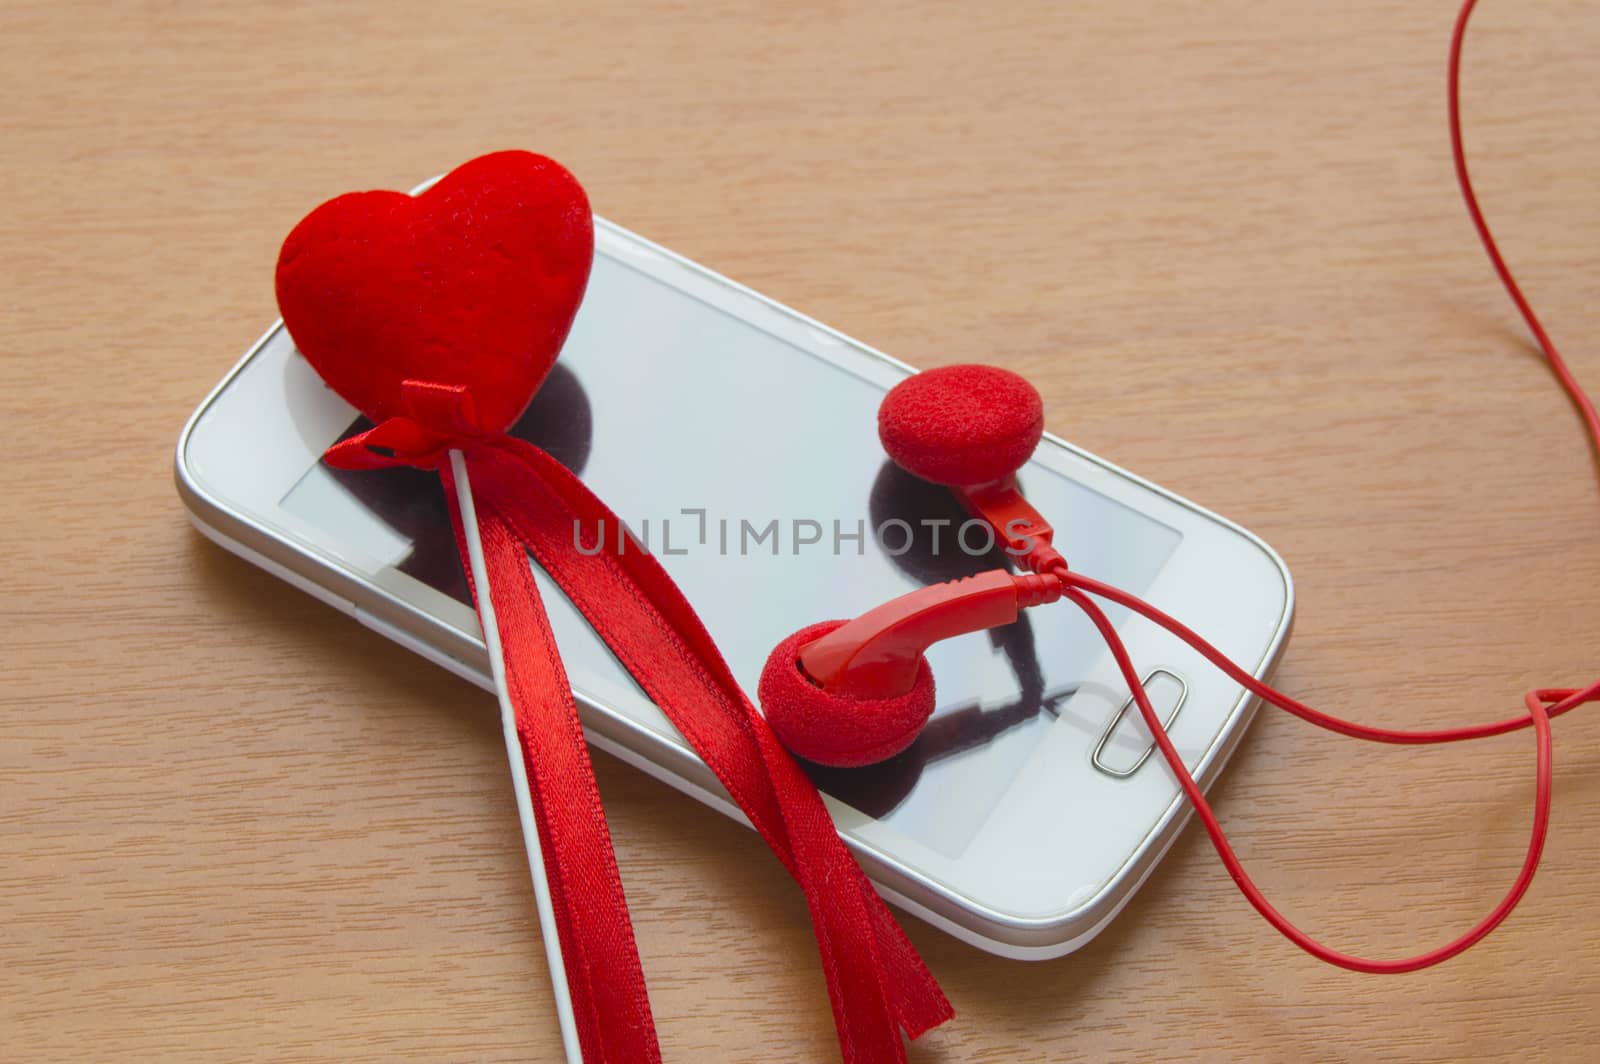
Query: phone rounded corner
<point x="1280" y="568"/>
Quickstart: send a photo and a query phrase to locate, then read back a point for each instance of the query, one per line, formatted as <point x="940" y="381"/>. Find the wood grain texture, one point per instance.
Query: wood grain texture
<point x="1224" y="240"/>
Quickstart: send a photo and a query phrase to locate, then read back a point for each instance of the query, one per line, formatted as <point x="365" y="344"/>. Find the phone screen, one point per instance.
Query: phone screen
<point x="751" y="468"/>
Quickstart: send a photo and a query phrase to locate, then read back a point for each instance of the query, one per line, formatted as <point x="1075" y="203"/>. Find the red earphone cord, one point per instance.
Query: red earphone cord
<point x="1542" y="704"/>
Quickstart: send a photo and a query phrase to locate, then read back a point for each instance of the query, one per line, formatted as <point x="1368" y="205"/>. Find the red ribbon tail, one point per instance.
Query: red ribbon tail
<point x="604" y="976"/>
<point x="877" y="983"/>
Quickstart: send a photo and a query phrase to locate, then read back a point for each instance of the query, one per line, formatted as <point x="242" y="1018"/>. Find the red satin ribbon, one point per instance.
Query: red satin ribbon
<point x="609" y="1002"/>
<point x="528" y="503"/>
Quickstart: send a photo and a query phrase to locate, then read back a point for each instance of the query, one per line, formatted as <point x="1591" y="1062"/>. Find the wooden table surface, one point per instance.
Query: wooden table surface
<point x="1222" y="238"/>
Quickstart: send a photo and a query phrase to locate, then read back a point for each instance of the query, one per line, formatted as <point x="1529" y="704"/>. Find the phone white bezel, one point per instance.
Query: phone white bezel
<point x="1045" y="907"/>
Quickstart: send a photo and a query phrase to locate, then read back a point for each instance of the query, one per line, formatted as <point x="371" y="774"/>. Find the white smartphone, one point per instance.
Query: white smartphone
<point x="739" y="437"/>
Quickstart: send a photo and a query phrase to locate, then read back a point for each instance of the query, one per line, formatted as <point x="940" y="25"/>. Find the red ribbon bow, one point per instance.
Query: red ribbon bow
<point x="527" y="504"/>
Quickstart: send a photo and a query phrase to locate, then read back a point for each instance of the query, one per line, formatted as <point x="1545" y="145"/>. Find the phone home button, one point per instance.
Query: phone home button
<point x="1126" y="744"/>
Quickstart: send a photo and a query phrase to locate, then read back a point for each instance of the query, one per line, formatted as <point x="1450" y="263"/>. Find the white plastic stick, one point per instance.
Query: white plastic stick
<point x="519" y="771"/>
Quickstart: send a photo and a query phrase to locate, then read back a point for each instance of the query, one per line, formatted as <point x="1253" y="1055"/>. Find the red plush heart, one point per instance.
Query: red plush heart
<point x="472" y="284"/>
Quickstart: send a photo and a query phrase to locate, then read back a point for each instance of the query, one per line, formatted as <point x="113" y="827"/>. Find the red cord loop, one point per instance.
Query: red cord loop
<point x="1539" y="713"/>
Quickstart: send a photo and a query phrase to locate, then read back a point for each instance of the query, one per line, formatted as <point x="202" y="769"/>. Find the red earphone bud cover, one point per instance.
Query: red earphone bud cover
<point x="836" y="729"/>
<point x="961" y="425"/>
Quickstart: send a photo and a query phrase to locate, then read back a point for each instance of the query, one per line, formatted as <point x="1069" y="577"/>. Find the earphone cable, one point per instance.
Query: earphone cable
<point x="1542" y="705"/>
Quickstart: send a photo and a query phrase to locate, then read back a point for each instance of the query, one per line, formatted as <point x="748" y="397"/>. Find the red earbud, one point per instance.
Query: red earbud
<point x="961" y="425"/>
<point x="835" y="729"/>
<point x="854" y="693"/>
<point x="971" y="428"/>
